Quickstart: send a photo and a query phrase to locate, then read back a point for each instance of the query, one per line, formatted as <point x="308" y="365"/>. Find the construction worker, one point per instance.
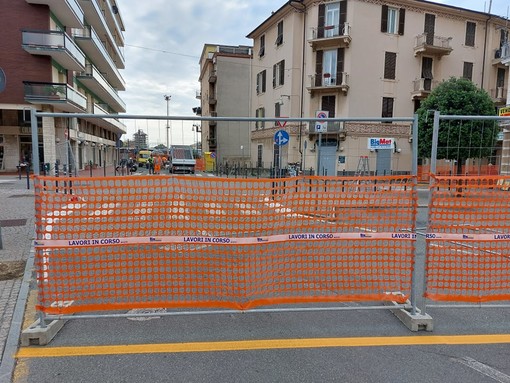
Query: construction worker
<point x="150" y="164"/>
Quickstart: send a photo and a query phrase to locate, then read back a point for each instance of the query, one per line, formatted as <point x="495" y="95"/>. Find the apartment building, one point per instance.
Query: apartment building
<point x="365" y="58"/>
<point x="61" y="56"/>
<point x="225" y="73"/>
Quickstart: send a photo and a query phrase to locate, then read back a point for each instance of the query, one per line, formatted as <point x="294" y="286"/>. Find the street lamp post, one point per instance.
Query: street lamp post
<point x="167" y="98"/>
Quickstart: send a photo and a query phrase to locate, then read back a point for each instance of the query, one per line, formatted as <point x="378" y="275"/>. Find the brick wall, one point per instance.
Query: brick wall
<point x="17" y="64"/>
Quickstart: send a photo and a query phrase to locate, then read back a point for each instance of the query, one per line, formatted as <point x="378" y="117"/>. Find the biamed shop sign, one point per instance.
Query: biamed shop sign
<point x="381" y="143"/>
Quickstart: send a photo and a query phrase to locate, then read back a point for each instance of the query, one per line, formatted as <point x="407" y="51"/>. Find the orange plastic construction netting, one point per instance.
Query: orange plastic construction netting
<point x="468" y="239"/>
<point x="157" y="241"/>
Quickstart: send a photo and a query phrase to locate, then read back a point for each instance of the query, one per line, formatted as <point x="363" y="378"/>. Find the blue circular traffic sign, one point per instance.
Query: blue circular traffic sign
<point x="281" y="138"/>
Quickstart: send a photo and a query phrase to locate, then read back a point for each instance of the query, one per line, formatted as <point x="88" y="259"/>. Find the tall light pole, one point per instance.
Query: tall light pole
<point x="167" y="98"/>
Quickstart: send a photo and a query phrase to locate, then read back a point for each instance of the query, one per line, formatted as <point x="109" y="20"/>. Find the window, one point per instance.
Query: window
<point x="277" y="107"/>
<point x="387" y="107"/>
<point x="260" y="113"/>
<point x="426" y="72"/>
<point x="329" y="67"/>
<point x="331" y="22"/>
<point x="278" y="73"/>
<point x="390" y="63"/>
<point x="328" y="104"/>
<point x="332" y="18"/>
<point x="279" y="38"/>
<point x="500" y="78"/>
<point x="429" y="28"/>
<point x="261" y="82"/>
<point x="467" y="71"/>
<point x="470" y="34"/>
<point x="259" y="155"/>
<point x="262" y="45"/>
<point x="393" y="20"/>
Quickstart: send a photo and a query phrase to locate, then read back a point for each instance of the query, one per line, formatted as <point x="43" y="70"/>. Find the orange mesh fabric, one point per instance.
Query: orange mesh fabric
<point x="157" y="241"/>
<point x="468" y="244"/>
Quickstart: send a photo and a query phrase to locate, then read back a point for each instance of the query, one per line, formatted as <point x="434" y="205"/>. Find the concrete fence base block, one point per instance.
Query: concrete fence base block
<point x="414" y="322"/>
<point x="35" y="335"/>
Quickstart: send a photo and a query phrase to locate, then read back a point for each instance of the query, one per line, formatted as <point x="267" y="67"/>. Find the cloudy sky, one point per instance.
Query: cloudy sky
<point x="164" y="40"/>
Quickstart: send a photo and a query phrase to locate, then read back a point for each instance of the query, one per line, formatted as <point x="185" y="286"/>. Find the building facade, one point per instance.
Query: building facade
<point x="225" y="73"/>
<point x="366" y="58"/>
<point x="61" y="56"/>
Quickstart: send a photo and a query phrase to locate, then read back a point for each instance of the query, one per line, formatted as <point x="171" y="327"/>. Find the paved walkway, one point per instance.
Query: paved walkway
<point x="17" y="224"/>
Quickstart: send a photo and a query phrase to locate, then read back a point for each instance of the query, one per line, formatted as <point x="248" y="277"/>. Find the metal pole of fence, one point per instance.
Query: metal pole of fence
<point x="419" y="262"/>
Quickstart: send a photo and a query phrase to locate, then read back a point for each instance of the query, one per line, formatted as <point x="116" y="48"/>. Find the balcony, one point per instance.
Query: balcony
<point x="213" y="77"/>
<point x="498" y="95"/>
<point x="505" y="53"/>
<point x="111" y="124"/>
<point x="96" y="83"/>
<point x="56" y="44"/>
<point x="96" y="18"/>
<point x="321" y="83"/>
<point x="432" y="45"/>
<point x="68" y="12"/>
<point x="60" y="95"/>
<point x="88" y="40"/>
<point x="422" y="88"/>
<point x="330" y="36"/>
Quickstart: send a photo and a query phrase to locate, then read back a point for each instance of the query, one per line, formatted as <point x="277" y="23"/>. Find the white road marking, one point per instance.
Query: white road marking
<point x="483" y="369"/>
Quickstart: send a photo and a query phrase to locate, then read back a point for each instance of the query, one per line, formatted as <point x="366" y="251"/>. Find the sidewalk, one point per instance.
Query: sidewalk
<point x="16" y="238"/>
<point x="17" y="232"/>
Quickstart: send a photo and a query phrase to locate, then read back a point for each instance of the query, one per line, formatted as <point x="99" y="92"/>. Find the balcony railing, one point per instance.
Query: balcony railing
<point x="422" y="87"/>
<point x="91" y="44"/>
<point x="95" y="81"/>
<point x="56" y="44"/>
<point x="54" y="93"/>
<point x="499" y="94"/>
<point x="327" y="81"/>
<point x="432" y="44"/>
<point x="330" y="35"/>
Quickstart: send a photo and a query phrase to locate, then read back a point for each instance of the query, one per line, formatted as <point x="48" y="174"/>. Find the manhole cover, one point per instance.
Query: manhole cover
<point x="145" y="311"/>
<point x="12" y="222"/>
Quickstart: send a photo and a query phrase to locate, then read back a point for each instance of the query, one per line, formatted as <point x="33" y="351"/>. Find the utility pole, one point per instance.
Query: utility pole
<point x="167" y="98"/>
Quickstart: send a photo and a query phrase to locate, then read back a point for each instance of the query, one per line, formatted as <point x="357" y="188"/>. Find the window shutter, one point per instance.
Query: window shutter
<point x="468" y="70"/>
<point x="321" y="21"/>
<point x="401" y="21"/>
<point x="274" y="76"/>
<point x="318" y="68"/>
<point x="470" y="34"/>
<point x="282" y="72"/>
<point x="343" y="16"/>
<point x="384" y="19"/>
<point x="339" y="65"/>
<point x="264" y="81"/>
<point x="390" y="63"/>
<point x="429" y="28"/>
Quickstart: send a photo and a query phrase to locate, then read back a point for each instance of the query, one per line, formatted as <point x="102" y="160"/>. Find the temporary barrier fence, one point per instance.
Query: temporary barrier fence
<point x="117" y="243"/>
<point x="468" y="234"/>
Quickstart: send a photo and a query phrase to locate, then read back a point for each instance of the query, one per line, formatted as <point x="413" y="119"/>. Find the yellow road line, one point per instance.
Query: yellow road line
<point x="268" y="344"/>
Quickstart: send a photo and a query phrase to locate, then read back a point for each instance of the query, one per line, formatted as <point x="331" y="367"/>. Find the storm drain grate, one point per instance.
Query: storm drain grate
<point x="12" y="222"/>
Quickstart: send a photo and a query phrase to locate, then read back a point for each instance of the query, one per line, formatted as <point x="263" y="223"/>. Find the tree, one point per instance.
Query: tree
<point x="457" y="138"/>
